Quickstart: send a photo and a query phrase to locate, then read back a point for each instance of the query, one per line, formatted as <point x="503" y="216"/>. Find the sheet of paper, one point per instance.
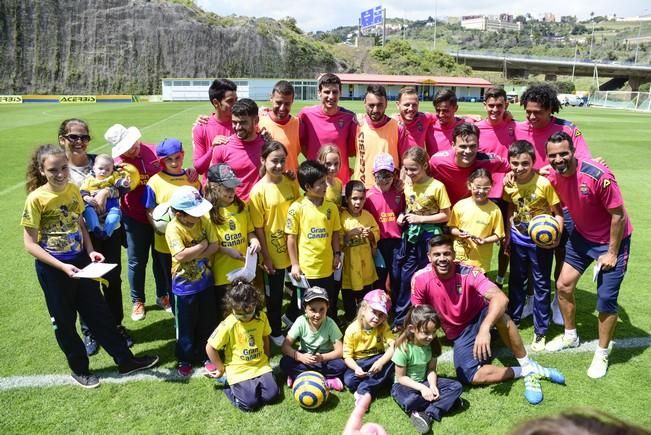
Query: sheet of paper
<point x="301" y="283"/>
<point x="95" y="270"/>
<point x="246" y="273"/>
<point x="595" y="272"/>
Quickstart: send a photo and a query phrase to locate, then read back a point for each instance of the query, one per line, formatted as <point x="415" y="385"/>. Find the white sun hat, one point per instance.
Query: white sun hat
<point x="121" y="138"/>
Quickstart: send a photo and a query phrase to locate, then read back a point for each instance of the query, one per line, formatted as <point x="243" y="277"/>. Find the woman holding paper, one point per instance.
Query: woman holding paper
<point x="74" y="137"/>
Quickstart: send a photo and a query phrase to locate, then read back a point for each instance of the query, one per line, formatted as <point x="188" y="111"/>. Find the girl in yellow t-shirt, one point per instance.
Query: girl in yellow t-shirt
<point x="233" y="225"/>
<point x="244" y="338"/>
<point x="359" y="233"/>
<point x="329" y="155"/>
<point x="269" y="202"/>
<point x="476" y="223"/>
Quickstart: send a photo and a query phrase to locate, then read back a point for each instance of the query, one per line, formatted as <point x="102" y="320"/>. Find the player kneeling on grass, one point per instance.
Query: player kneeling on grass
<point x="417" y="389"/>
<point x="244" y="337"/>
<point x="469" y="305"/>
<point x="55" y="234"/>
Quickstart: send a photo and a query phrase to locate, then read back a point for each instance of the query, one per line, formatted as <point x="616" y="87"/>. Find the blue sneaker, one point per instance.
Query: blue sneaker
<point x="532" y="389"/>
<point x="547" y="373"/>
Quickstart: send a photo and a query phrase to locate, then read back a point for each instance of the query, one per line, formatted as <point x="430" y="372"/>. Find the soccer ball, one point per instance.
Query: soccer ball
<point x="310" y="390"/>
<point x="133" y="173"/>
<point x="544" y="230"/>
<point x="162" y="215"/>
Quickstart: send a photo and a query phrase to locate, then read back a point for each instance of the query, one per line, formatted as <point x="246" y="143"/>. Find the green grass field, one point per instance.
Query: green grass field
<point x="28" y="348"/>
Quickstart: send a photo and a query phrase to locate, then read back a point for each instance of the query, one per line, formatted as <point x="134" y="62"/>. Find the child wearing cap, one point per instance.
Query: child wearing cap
<point x="385" y="203"/>
<point x="192" y="240"/>
<point x="368" y="347"/>
<point x="232" y="223"/>
<point x="102" y="176"/>
<point x="159" y="189"/>
<point x="319" y="342"/>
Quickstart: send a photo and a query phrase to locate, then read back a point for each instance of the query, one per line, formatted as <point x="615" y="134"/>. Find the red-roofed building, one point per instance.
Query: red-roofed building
<point x="466" y="88"/>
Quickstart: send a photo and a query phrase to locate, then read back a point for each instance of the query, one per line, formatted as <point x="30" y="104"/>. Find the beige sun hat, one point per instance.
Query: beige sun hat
<point x="121" y="138"/>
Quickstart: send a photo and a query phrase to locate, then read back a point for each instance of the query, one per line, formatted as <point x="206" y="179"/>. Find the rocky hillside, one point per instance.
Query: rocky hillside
<point x="127" y="46"/>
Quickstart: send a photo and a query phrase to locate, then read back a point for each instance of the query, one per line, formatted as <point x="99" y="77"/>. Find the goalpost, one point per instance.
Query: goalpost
<point x="622" y="100"/>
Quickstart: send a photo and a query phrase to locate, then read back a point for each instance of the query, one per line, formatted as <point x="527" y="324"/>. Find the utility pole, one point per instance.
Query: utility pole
<point x="384" y="26"/>
<point x="574" y="64"/>
<point x="639" y="33"/>
<point x="436" y="18"/>
<point x="592" y="36"/>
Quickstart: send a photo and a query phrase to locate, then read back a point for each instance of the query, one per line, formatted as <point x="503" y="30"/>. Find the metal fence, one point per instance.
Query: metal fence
<point x="622" y="100"/>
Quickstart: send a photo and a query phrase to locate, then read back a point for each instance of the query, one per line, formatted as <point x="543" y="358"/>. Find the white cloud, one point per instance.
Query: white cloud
<point x="325" y="15"/>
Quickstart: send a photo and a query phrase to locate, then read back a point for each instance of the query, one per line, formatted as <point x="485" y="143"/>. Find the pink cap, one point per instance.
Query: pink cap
<point x="384" y="161"/>
<point x="378" y="300"/>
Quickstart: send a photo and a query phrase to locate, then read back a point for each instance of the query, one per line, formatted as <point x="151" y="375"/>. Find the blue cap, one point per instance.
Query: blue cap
<point x="189" y="200"/>
<point x="168" y="146"/>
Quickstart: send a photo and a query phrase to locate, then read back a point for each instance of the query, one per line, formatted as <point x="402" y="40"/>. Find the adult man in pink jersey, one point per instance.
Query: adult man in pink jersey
<point x="243" y="150"/>
<point x="602" y="233"/>
<point x="439" y="136"/>
<point x="540" y="102"/>
<point x="415" y="124"/>
<point x="214" y="130"/>
<point x="327" y="123"/>
<point x="453" y="167"/>
<point x="469" y="305"/>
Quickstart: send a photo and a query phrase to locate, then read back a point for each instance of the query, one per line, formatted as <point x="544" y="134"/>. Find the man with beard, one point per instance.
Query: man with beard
<point x="602" y="233"/>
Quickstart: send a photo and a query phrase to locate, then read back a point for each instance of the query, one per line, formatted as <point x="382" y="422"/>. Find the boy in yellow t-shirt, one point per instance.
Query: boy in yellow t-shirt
<point x="312" y="229"/>
<point x="530" y="196"/>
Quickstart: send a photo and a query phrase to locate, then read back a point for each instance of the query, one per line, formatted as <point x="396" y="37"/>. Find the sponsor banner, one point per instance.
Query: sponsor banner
<point x="11" y="99"/>
<point x="115" y="99"/>
<point x="77" y="99"/>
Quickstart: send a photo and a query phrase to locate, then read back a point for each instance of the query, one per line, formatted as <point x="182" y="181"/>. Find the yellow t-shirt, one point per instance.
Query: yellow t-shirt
<point x="92" y="184"/>
<point x="359" y="267"/>
<point x="56" y="217"/>
<point x="314" y="228"/>
<point x="334" y="192"/>
<point x="233" y="233"/>
<point x="477" y="220"/>
<point x="364" y="343"/>
<point x="189" y="277"/>
<point x="287" y="134"/>
<point x="529" y="200"/>
<point x="268" y="206"/>
<point x="243" y="346"/>
<point x="369" y="143"/>
<point x="163" y="186"/>
<point x="427" y="198"/>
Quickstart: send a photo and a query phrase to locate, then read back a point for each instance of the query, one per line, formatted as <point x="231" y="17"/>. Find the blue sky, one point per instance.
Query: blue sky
<point x="327" y="14"/>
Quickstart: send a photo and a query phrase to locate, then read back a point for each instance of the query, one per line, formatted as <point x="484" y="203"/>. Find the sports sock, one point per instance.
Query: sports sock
<point x="524" y="361"/>
<point x="499" y="280"/>
<point x="601" y="351"/>
<point x="570" y="334"/>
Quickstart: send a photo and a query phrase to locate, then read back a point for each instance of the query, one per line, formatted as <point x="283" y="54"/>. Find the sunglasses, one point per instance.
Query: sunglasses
<point x="76" y="137"/>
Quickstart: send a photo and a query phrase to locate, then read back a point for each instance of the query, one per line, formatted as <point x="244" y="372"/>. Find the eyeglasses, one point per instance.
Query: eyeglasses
<point x="76" y="137"/>
<point x="479" y="188"/>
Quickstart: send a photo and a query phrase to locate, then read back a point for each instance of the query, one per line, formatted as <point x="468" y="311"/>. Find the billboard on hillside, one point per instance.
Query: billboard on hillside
<point x="371" y="17"/>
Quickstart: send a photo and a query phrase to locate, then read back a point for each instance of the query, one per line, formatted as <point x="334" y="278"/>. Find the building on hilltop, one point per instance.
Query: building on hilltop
<point x="490" y="23"/>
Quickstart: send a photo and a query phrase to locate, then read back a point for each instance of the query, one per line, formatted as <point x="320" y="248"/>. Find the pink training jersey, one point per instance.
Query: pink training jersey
<point x="538" y="138"/>
<point x="415" y="132"/>
<point x="133" y="203"/>
<point x="202" y="137"/>
<point x="244" y="159"/>
<point x="455" y="178"/>
<point x="439" y="137"/>
<point x="496" y="139"/>
<point x="588" y="195"/>
<point x="318" y="129"/>
<point x="457" y="300"/>
<point x="385" y="208"/>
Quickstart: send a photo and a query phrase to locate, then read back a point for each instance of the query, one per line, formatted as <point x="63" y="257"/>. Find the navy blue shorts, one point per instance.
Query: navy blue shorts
<point x="464" y="361"/>
<point x="580" y="253"/>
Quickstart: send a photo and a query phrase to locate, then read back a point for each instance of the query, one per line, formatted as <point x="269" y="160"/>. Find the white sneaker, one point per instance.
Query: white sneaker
<point x="599" y="366"/>
<point x="278" y="340"/>
<point x="560" y="343"/>
<point x="538" y="343"/>
<point x="557" y="317"/>
<point x="528" y="307"/>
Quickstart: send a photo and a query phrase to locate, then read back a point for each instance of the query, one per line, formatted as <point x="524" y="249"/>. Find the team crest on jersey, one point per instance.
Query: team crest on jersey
<point x="511" y="132"/>
<point x="340" y="124"/>
<point x="459" y="288"/>
<point x="577" y="132"/>
<point x="231" y="224"/>
<point x="583" y="188"/>
<point x="397" y="199"/>
<point x="328" y="214"/>
<point x="251" y="341"/>
<point x="419" y="126"/>
<point x="606" y="183"/>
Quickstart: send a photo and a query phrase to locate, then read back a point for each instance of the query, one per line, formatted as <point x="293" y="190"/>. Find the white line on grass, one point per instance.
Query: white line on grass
<point x="99" y="148"/>
<point x="162" y="374"/>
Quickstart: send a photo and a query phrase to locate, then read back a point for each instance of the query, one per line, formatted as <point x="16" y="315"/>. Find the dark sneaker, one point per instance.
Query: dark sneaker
<point x="125" y="334"/>
<point x="85" y="381"/>
<point x="138" y="363"/>
<point x="91" y="345"/>
<point x="421" y="421"/>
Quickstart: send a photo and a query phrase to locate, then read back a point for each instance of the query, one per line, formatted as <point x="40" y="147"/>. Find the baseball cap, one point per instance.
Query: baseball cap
<point x="189" y="200"/>
<point x="378" y="300"/>
<point x="223" y="174"/>
<point x="384" y="161"/>
<point x="121" y="138"/>
<point x="168" y="146"/>
<point x="315" y="293"/>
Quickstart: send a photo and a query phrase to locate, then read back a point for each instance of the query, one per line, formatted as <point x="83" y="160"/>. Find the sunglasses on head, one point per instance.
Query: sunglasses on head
<point x="76" y="137"/>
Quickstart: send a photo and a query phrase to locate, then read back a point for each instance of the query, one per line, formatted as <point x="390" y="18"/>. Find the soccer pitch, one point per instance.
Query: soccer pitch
<point x="34" y="398"/>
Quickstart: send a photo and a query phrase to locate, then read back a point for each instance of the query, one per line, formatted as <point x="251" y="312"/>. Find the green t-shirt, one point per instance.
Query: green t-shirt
<point x="320" y="341"/>
<point x="414" y="358"/>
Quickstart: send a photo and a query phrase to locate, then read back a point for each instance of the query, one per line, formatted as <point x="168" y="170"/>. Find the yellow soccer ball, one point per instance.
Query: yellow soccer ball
<point x="544" y="230"/>
<point x="310" y="390"/>
<point x="133" y="173"/>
